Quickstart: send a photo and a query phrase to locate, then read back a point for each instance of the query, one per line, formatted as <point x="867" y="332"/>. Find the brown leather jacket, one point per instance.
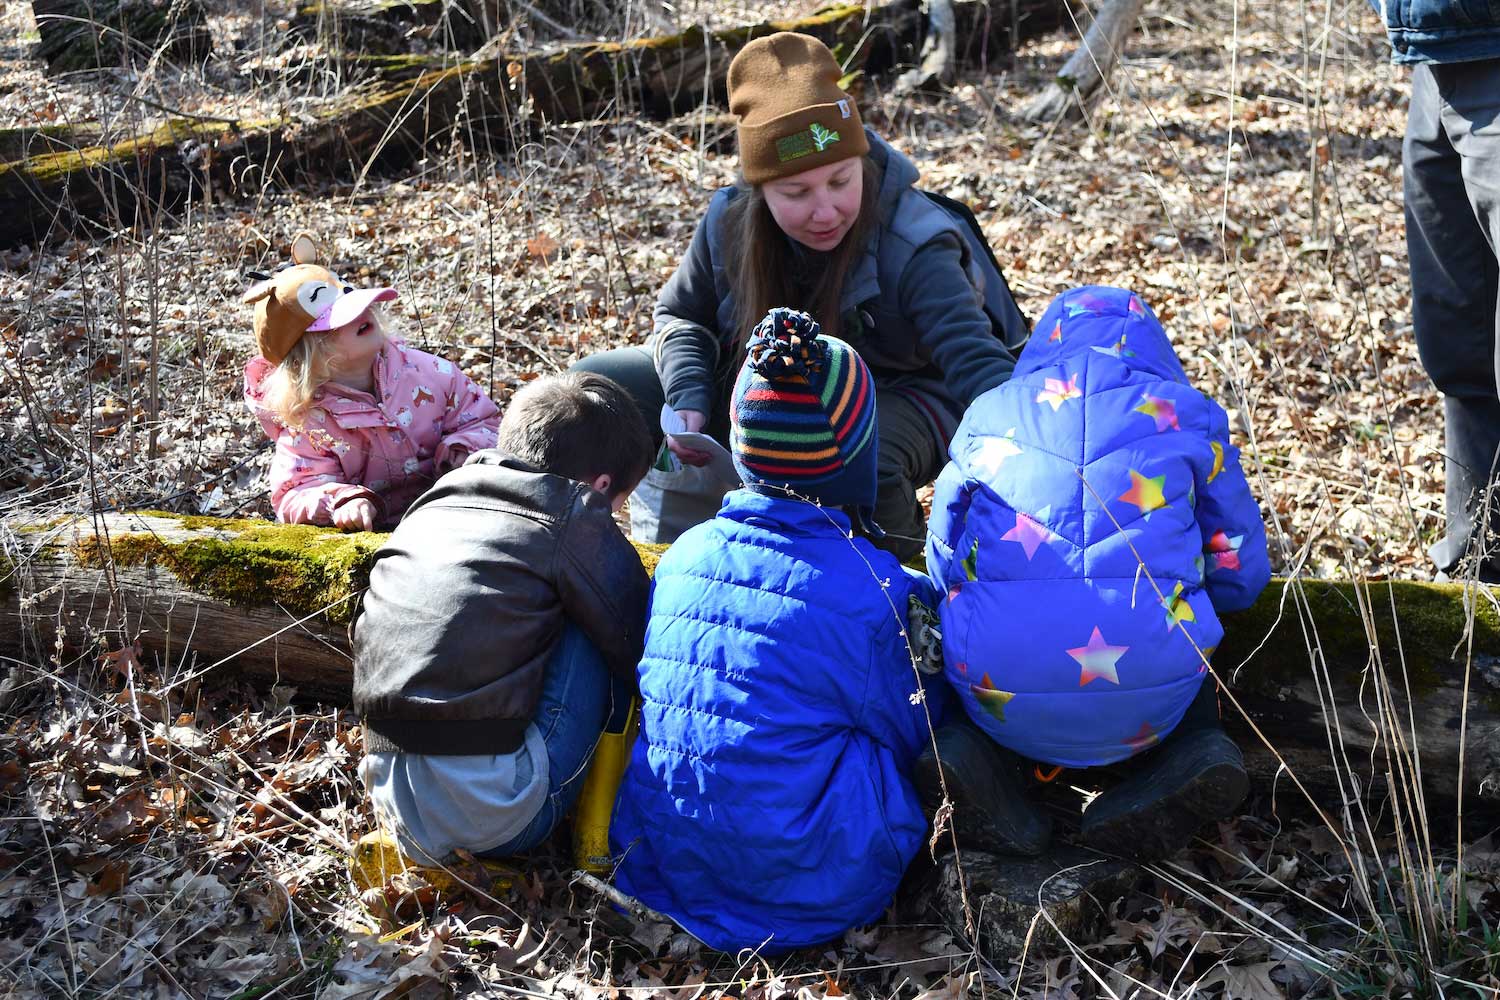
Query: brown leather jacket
<point x="468" y="598"/>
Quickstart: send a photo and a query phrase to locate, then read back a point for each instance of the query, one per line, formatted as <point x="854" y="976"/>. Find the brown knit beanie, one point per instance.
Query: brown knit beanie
<point x="793" y="116"/>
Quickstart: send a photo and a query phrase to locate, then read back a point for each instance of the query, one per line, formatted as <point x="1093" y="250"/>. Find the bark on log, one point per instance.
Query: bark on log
<point x="89" y="34"/>
<point x="1089" y="66"/>
<point x="272" y="604"/>
<point x="491" y="103"/>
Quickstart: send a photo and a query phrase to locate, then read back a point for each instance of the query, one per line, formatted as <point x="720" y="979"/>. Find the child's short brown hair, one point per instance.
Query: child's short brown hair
<point x="580" y="425"/>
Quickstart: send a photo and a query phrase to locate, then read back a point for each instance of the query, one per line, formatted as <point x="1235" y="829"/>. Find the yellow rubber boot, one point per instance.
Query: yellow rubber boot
<point x="596" y="803"/>
<point x="377" y="857"/>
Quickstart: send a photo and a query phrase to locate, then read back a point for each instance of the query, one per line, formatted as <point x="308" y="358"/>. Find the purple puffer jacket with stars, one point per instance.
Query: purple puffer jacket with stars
<point x="425" y="418"/>
<point x="1092" y="522"/>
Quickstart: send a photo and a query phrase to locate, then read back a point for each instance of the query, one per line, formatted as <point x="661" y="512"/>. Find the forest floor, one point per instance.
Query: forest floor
<point x="1243" y="176"/>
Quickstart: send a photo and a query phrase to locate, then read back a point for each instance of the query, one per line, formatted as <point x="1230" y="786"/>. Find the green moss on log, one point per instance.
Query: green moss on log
<point x="1431" y="619"/>
<point x="250" y="562"/>
<point x="303" y="568"/>
<point x="53" y="167"/>
<point x="650" y="555"/>
<point x="7" y="577"/>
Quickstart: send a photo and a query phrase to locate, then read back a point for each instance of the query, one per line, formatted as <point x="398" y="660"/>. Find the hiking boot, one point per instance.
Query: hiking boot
<point x="1195" y="777"/>
<point x="991" y="811"/>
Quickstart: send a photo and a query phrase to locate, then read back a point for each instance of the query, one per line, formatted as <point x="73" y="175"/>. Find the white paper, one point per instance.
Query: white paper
<point x="719" y="461"/>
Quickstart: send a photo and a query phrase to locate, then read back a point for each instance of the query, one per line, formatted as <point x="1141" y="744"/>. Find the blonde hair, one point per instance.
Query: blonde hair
<point x="290" y="386"/>
<point x="311" y="362"/>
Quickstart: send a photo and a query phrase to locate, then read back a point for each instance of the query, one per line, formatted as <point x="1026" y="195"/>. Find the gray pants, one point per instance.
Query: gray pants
<point x="910" y="454"/>
<point x="1451" y="177"/>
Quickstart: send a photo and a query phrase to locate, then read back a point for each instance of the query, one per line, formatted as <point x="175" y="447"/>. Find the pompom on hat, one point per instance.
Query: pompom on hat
<point x="802" y="417"/>
<point x="304" y="297"/>
<point x="793" y="116"/>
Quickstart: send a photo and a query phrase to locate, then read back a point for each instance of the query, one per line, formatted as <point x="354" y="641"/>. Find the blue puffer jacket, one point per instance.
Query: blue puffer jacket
<point x="768" y="799"/>
<point x="1441" y="31"/>
<point x="1093" y="517"/>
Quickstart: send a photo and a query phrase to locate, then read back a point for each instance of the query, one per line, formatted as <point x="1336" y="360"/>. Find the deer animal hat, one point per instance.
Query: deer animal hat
<point x="304" y="297"/>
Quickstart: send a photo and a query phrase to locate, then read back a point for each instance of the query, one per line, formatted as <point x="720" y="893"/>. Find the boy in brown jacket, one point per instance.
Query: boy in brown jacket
<point x="504" y="619"/>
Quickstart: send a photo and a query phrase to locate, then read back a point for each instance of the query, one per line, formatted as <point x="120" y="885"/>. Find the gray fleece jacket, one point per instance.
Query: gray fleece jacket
<point x="913" y="308"/>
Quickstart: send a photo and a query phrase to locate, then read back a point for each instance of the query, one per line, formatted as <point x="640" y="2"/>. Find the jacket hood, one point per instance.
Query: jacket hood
<point x="897" y="173"/>
<point x="1104" y="320"/>
<point x="256" y="372"/>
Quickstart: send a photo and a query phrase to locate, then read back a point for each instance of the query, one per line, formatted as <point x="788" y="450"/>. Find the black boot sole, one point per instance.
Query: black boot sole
<point x="973" y="824"/>
<point x="1167" y="822"/>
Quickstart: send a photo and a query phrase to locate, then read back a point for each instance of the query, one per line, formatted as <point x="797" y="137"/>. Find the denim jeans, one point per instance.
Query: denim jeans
<point x="579" y="696"/>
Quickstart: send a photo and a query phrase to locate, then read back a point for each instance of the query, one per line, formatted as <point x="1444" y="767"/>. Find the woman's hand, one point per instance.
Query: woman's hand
<point x="354" y="515"/>
<point x="694" y="422"/>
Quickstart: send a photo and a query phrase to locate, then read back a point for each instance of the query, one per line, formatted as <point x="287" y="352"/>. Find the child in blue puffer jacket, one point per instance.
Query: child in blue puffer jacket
<point x="1092" y="523"/>
<point x="768" y="803"/>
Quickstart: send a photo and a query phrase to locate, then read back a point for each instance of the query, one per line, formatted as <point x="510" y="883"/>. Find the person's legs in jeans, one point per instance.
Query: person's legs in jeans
<point x="1451" y="178"/>
<point x="910" y="457"/>
<point x="579" y="695"/>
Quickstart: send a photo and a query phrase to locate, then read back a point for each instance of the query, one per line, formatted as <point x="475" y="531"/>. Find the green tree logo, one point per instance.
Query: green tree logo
<point x="822" y="137"/>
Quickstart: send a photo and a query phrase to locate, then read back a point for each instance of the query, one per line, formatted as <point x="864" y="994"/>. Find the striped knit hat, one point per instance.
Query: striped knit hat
<point x="803" y="416"/>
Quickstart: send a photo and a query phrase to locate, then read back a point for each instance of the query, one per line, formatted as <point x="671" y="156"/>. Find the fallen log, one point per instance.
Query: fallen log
<point x="59" y="183"/>
<point x="1089" y="67"/>
<point x="93" y="34"/>
<point x="382" y="26"/>
<point x="1314" y="664"/>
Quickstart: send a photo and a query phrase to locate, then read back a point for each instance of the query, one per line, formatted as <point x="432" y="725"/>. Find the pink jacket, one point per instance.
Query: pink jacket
<point x="425" y="418"/>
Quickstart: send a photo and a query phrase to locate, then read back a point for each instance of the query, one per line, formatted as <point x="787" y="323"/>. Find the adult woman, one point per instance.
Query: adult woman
<point x="825" y="219"/>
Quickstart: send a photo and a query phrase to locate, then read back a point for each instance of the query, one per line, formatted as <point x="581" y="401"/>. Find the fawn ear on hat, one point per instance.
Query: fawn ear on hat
<point x="258" y="291"/>
<point x="304" y="248"/>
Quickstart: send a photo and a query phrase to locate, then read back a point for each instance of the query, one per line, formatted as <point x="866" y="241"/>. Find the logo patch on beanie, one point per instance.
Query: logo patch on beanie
<point x="800" y="144"/>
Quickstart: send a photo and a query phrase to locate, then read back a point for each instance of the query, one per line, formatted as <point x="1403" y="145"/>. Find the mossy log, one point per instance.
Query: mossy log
<point x="1336" y="682"/>
<point x="24" y="141"/>
<point x="487" y="104"/>
<point x="89" y="34"/>
<point x="269" y="603"/>
<point x="1324" y="671"/>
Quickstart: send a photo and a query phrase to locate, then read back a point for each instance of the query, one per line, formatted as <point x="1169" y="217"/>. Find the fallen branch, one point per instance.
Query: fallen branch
<point x="53" y="181"/>
<point x="1089" y="66"/>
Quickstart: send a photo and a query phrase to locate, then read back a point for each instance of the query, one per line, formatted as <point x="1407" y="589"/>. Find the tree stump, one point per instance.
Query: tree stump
<point x="93" y="34"/>
<point x="1089" y="66"/>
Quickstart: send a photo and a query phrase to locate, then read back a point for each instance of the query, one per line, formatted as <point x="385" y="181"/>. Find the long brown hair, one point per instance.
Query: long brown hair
<point x="760" y="260"/>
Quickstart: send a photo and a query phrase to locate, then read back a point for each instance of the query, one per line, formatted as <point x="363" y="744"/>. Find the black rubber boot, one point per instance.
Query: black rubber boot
<point x="991" y="811"/>
<point x="1194" y="777"/>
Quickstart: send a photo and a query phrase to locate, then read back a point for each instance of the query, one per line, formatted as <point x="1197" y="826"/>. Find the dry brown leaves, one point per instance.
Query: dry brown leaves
<point x="166" y="845"/>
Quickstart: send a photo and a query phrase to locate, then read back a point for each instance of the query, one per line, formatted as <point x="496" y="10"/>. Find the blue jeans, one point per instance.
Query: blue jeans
<point x="579" y="696"/>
